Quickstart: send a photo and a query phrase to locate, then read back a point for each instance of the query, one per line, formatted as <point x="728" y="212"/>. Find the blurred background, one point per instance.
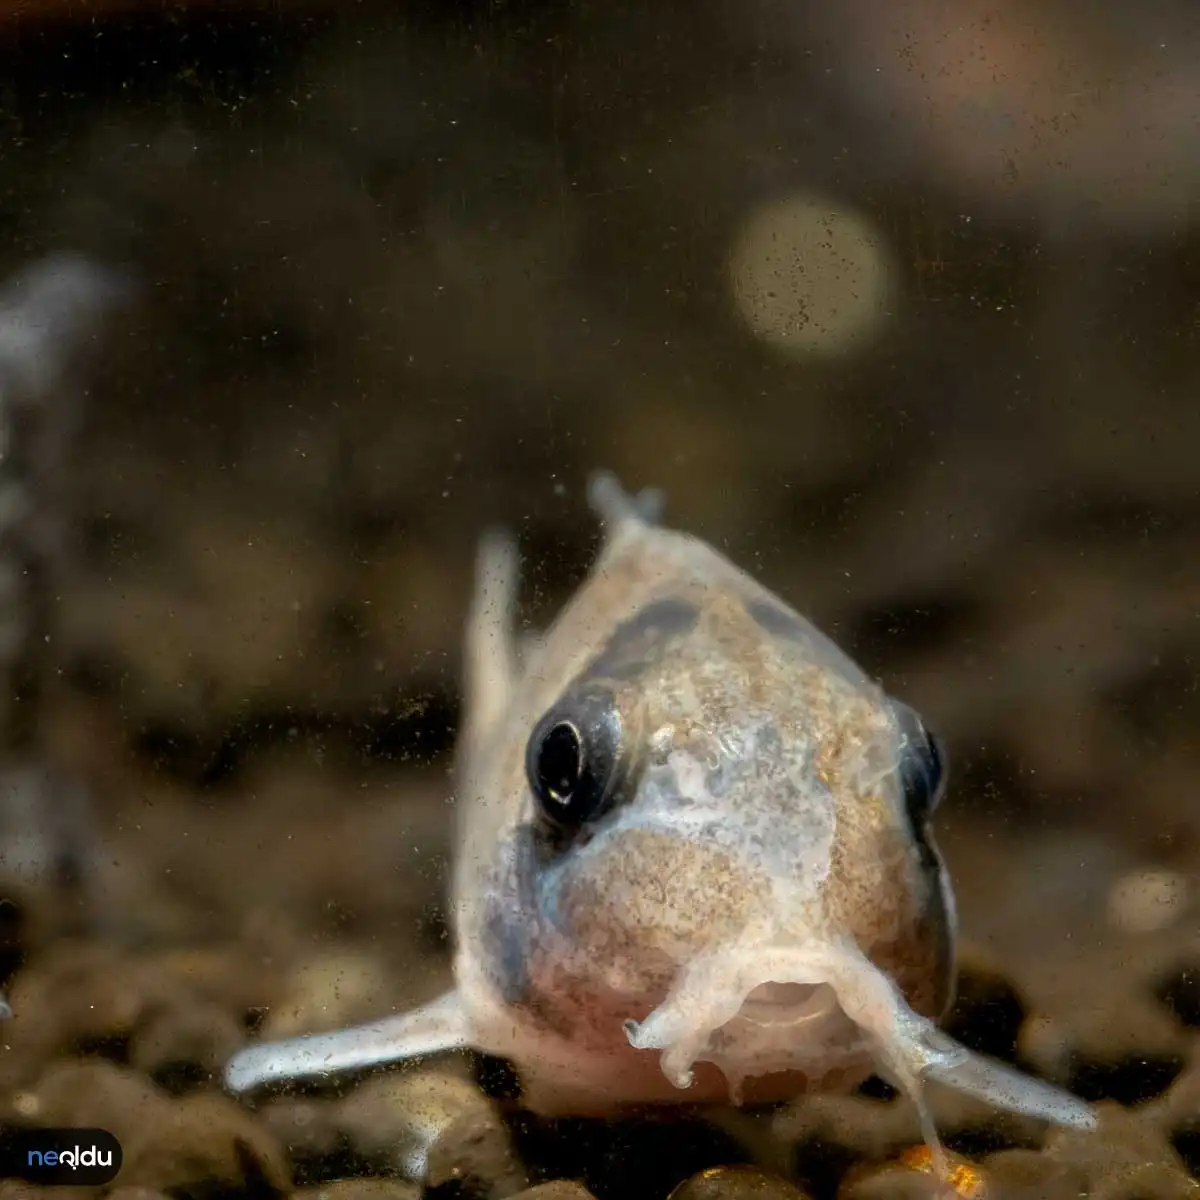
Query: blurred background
<point x="899" y="304"/>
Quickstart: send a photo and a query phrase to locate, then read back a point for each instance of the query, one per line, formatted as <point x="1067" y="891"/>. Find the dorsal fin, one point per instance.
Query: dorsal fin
<point x="618" y="509"/>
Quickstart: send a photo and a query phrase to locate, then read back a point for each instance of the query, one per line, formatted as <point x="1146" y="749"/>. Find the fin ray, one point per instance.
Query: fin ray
<point x="490" y="664"/>
<point x="951" y="1064"/>
<point x="434" y="1028"/>
<point x="616" y="507"/>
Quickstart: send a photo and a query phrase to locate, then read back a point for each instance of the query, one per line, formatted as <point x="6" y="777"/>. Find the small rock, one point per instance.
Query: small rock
<point x="890" y="1182"/>
<point x="422" y="1124"/>
<point x="913" y="1176"/>
<point x="136" y="1193"/>
<point x="94" y="1095"/>
<point x="17" y="1189"/>
<point x="168" y="1144"/>
<point x="737" y="1183"/>
<point x="476" y="1151"/>
<point x="1032" y="1175"/>
<point x="184" y="1046"/>
<point x="328" y="992"/>
<point x="868" y="1129"/>
<point x="1150" y="1181"/>
<point x="310" y="1132"/>
<point x="206" y="1141"/>
<point x="233" y="977"/>
<point x="556" y="1189"/>
<point x="361" y="1189"/>
<point x="75" y="995"/>
<point x="1100" y="1039"/>
<point x="158" y="1012"/>
<point x="1178" y="991"/>
<point x="1127" y="1157"/>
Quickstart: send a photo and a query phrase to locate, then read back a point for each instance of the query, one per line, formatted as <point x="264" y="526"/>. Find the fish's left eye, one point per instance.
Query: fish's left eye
<point x="922" y="767"/>
<point x="572" y="761"/>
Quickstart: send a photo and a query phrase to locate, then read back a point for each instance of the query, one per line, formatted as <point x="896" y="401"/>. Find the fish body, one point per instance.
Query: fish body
<point x="694" y="859"/>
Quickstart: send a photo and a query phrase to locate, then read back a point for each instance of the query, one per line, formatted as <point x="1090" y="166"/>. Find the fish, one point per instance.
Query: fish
<point x="694" y="857"/>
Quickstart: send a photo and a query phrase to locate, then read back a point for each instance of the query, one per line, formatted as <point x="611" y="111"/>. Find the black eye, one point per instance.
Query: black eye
<point x="922" y="767"/>
<point x="572" y="760"/>
<point x="559" y="763"/>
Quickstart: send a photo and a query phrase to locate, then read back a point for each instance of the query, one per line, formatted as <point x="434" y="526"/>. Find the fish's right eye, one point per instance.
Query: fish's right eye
<point x="922" y="767"/>
<point x="572" y="761"/>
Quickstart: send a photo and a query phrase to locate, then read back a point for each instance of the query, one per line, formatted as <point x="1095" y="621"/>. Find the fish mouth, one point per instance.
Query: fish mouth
<point x="785" y="1005"/>
<point x="752" y="1014"/>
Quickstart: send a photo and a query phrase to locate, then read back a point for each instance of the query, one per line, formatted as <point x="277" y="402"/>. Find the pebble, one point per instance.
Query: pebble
<point x="206" y="1139"/>
<point x="209" y="1142"/>
<point x="737" y="1183"/>
<point x="476" y="1152"/>
<point x="17" y="1189"/>
<point x="183" y="1046"/>
<point x="433" y="1126"/>
<point x="911" y="1176"/>
<point x="310" y="1132"/>
<point x="328" y="992"/>
<point x="1127" y="1158"/>
<point x="1030" y="1173"/>
<point x="361" y="1189"/>
<point x="556" y="1189"/>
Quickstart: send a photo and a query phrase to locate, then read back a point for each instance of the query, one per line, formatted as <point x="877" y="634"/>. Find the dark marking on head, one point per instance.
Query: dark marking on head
<point x="923" y="773"/>
<point x="922" y="777"/>
<point x="940" y="915"/>
<point x="509" y="922"/>
<point x="514" y="939"/>
<point x="778" y="621"/>
<point x="642" y="641"/>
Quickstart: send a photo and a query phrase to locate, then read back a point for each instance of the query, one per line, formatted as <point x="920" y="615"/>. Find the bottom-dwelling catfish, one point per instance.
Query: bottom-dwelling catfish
<point x="694" y="860"/>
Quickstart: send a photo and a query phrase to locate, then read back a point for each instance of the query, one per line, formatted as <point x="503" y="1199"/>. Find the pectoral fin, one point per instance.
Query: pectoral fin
<point x="436" y="1028"/>
<point x="939" y="1057"/>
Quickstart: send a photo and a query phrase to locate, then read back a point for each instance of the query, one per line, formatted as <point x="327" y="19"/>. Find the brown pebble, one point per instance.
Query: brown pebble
<point x="891" y="1183"/>
<point x="332" y="989"/>
<point x="233" y="977"/>
<point x="1033" y="1173"/>
<point x="361" y="1189"/>
<point x="867" y="1129"/>
<point x="737" y="1183"/>
<point x="911" y="1176"/>
<point x="189" y="1043"/>
<point x="207" y="1139"/>
<point x="136" y="1193"/>
<point x="556" y="1189"/>
<point x="382" y="1112"/>
<point x="476" y="1149"/>
<point x="1128" y="1157"/>
<point x="17" y="1189"/>
<point x="70" y="995"/>
<point x="166" y="1143"/>
<point x="1147" y="1181"/>
<point x="308" y="1129"/>
<point x="433" y="1125"/>
<point x="94" y="1094"/>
